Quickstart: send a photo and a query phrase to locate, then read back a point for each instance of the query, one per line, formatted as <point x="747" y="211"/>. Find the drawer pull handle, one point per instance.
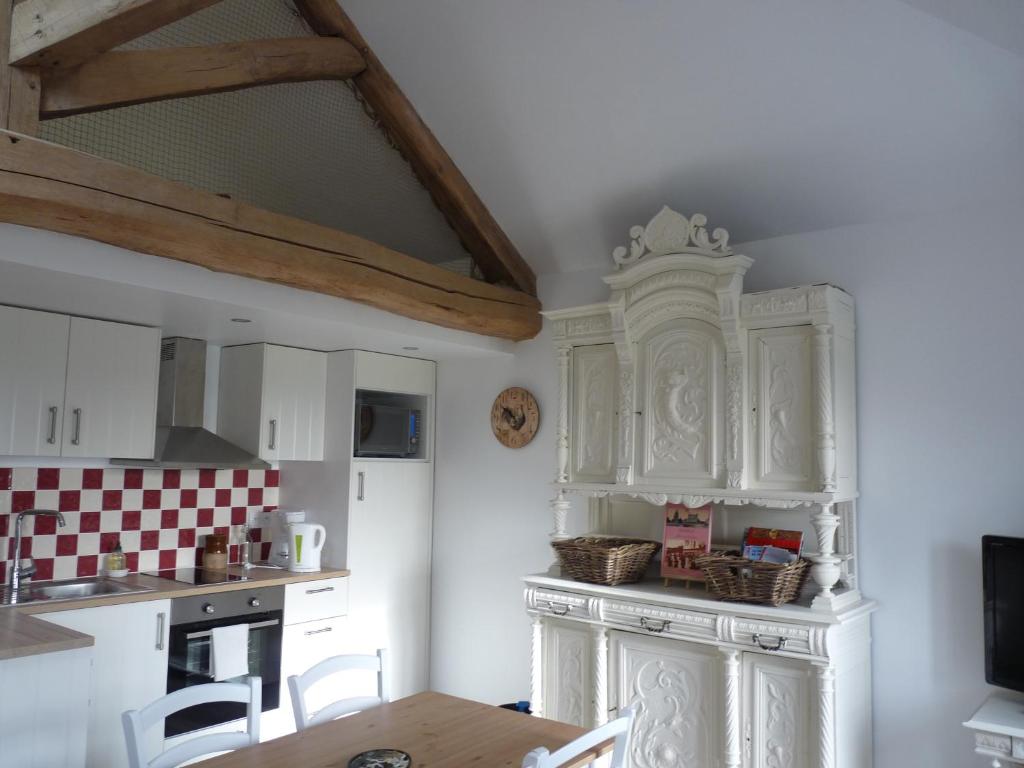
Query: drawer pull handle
<point x="318" y="631"/>
<point x="318" y="591"/>
<point x="651" y="626"/>
<point x="779" y="644"/>
<point x="559" y="609"/>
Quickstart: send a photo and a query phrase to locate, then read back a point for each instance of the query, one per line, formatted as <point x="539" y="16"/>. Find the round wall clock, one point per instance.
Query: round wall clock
<point x="515" y="417"/>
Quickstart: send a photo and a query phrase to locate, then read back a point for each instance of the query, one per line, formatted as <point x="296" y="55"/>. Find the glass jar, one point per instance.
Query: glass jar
<point x="215" y="552"/>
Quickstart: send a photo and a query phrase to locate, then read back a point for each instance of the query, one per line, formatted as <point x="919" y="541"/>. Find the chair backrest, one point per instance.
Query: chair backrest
<point x="618" y="729"/>
<point x="299" y="684"/>
<point x="137" y="721"/>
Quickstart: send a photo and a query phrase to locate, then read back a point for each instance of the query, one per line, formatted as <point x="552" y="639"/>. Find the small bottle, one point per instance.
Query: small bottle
<point x="116" y="561"/>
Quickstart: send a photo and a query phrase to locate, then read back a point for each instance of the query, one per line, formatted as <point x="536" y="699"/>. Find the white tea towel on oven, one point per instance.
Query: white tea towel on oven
<point x="229" y="651"/>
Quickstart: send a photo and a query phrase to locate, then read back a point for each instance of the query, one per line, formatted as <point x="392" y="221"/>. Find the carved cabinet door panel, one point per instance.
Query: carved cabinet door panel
<point x="595" y="371"/>
<point x="568" y="687"/>
<point x="681" y="404"/>
<point x="677" y="687"/>
<point x="782" y="434"/>
<point x="778" y="700"/>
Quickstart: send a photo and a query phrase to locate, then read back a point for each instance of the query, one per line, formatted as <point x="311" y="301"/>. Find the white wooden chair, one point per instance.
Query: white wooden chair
<point x="138" y="721"/>
<point x="299" y="684"/>
<point x="618" y="729"/>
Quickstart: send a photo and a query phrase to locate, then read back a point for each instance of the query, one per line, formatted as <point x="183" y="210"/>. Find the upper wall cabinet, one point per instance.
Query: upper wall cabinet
<point x="72" y="386"/>
<point x="272" y="401"/>
<point x="680" y="382"/>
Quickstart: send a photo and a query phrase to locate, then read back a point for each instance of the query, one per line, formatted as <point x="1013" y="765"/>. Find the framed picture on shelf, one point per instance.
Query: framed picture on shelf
<point x="687" y="537"/>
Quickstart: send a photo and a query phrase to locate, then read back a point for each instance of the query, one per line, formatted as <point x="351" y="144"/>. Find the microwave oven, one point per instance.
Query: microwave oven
<point x="387" y="431"/>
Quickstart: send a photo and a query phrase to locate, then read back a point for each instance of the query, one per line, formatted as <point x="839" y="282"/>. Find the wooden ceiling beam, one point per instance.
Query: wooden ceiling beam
<point x="66" y="33"/>
<point x="122" y="78"/>
<point x="481" y="235"/>
<point x="52" y="187"/>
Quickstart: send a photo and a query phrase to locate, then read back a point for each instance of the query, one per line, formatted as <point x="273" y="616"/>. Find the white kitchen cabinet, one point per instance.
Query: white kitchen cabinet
<point x="72" y="386"/>
<point x="780" y="394"/>
<point x="676" y="687"/>
<point x="129" y="671"/>
<point x="389" y="526"/>
<point x="681" y="389"/>
<point x="272" y="401"/>
<point x="33" y="369"/>
<point x="110" y="399"/>
<point x="569" y="692"/>
<point x="778" y="696"/>
<point x="44" y="709"/>
<point x="595" y="376"/>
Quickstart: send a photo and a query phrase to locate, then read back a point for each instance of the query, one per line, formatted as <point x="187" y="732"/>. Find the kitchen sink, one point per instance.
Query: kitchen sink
<point x="73" y="590"/>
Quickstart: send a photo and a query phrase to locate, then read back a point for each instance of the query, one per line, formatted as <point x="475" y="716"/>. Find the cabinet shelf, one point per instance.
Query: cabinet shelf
<point x="695" y="497"/>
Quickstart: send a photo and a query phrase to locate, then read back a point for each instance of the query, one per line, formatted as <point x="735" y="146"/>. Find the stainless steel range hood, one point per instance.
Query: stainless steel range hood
<point x="181" y="440"/>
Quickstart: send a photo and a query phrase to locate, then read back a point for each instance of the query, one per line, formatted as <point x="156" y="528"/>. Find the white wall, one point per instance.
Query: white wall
<point x="940" y="372"/>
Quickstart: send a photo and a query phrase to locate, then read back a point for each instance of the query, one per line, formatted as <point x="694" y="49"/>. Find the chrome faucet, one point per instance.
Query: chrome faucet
<point x="17" y="572"/>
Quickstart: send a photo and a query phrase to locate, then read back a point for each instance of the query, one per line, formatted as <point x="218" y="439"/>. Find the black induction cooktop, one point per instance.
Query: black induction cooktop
<point x="197" y="576"/>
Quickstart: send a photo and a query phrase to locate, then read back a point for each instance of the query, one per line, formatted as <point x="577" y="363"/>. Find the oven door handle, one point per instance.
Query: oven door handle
<point x="254" y="625"/>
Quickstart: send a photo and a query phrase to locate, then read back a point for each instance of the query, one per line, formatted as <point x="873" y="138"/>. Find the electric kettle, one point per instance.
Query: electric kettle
<point x="305" y="542"/>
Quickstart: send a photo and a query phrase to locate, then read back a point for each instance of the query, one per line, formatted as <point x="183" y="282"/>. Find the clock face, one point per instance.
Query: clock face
<point x="515" y="417"/>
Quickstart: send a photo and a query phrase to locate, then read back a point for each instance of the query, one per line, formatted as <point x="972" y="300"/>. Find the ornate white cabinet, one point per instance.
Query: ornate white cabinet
<point x="717" y="684"/>
<point x="682" y="388"/>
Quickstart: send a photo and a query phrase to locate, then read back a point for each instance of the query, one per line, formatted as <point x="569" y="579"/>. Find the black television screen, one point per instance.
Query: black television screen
<point x="1003" y="564"/>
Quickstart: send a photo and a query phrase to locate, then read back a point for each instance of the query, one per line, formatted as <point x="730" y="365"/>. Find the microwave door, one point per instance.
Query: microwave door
<point x="384" y="431"/>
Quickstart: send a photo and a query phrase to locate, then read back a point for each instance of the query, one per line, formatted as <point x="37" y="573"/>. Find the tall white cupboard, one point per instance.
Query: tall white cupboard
<point x="378" y="514"/>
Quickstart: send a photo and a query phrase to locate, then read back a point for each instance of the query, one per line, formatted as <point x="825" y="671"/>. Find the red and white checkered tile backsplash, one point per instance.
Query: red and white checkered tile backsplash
<point x="160" y="516"/>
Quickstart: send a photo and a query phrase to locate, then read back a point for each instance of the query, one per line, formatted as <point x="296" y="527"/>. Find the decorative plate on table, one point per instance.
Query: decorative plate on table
<point x="381" y="758"/>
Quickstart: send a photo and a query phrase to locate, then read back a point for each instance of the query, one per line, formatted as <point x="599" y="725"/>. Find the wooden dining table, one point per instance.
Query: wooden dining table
<point x="437" y="730"/>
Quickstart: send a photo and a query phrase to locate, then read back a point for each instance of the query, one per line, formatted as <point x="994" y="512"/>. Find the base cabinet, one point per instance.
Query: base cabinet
<point x="129" y="671"/>
<point x="713" y="686"/>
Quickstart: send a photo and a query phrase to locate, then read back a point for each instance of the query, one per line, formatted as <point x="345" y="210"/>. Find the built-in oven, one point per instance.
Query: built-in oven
<point x="193" y="620"/>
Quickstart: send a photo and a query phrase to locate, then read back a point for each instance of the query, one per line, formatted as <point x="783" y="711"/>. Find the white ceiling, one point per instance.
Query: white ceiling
<point x="576" y="118"/>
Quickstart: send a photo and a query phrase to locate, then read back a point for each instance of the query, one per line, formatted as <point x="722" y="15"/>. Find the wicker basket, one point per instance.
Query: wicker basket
<point x="604" y="559"/>
<point x="734" y="578"/>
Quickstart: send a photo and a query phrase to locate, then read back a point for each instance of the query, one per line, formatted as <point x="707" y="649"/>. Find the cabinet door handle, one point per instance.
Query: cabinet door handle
<point x="779" y="644"/>
<point x="361" y="492"/>
<point x="318" y="591"/>
<point x="272" y="443"/>
<point x="318" y="631"/>
<point x="161" y="619"/>
<point x="76" y="436"/>
<point x="52" y="436"/>
<point x="654" y="625"/>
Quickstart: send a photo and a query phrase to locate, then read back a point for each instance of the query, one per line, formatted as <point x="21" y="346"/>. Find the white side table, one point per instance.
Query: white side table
<point x="998" y="727"/>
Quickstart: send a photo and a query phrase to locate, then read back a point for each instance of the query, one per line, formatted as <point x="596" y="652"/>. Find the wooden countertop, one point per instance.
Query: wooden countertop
<point x="21" y="634"/>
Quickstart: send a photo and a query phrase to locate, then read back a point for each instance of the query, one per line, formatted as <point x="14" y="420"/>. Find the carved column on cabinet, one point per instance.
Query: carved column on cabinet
<point x="826" y="570"/>
<point x="627" y="422"/>
<point x="537" y="669"/>
<point x="826" y="716"/>
<point x="825" y="431"/>
<point x="560" y="513"/>
<point x="733" y="716"/>
<point x="562" y="437"/>
<point x="734" y="419"/>
<point x="600" y="660"/>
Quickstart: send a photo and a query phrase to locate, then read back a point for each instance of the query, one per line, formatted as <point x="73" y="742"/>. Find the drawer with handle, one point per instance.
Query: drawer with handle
<point x="553" y="602"/>
<point x="665" y="622"/>
<point x="315" y="600"/>
<point x="778" y="637"/>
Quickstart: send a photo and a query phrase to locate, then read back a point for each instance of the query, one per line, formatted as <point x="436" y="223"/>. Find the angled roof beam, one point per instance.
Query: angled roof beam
<point x="121" y="78"/>
<point x="65" y="33"/>
<point x="52" y="187"/>
<point x="481" y="235"/>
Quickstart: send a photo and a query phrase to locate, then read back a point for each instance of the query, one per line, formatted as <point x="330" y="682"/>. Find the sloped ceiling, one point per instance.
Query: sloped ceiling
<point x="576" y="118"/>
